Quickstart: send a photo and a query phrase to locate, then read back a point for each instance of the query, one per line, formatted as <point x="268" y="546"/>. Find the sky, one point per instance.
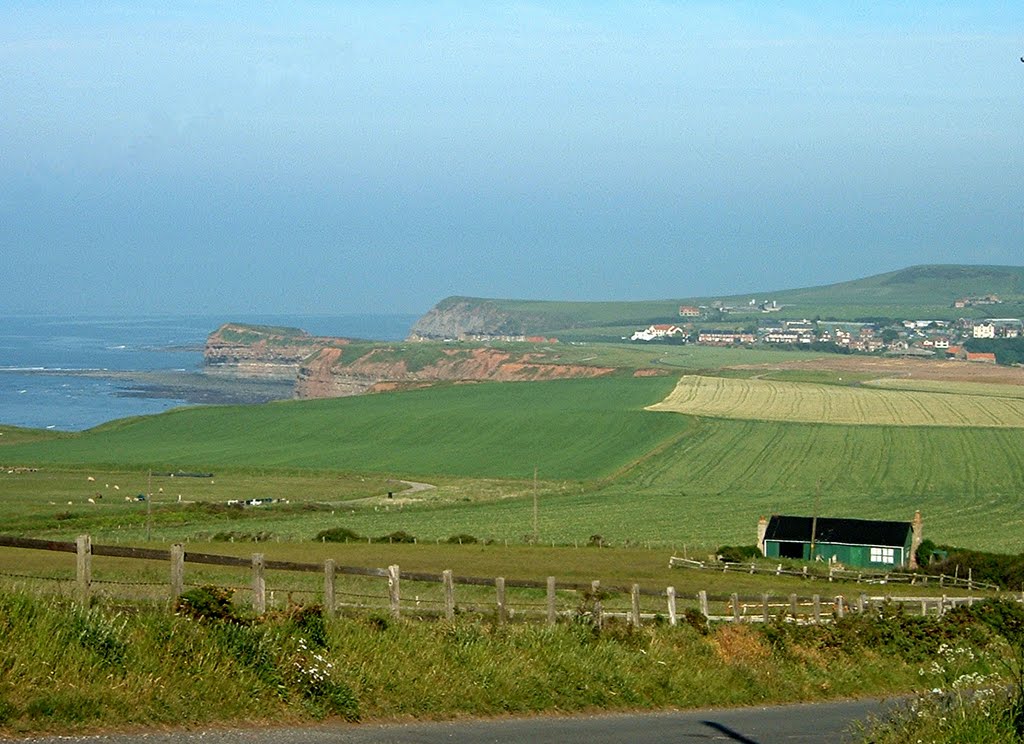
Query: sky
<point x="335" y="157"/>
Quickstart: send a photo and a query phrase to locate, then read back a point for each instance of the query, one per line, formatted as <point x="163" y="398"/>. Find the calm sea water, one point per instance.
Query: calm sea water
<point x="60" y="399"/>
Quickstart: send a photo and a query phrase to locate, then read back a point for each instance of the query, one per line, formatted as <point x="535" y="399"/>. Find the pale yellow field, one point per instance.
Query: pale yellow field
<point x="990" y="389"/>
<point x="768" y="400"/>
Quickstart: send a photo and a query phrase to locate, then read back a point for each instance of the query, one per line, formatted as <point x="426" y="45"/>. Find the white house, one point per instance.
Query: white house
<point x="984" y="330"/>
<point x="657" y="331"/>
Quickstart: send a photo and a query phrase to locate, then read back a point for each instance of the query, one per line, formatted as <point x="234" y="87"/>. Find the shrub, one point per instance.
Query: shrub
<point x="207" y="603"/>
<point x="462" y="540"/>
<point x="399" y="536"/>
<point x="696" y="619"/>
<point x="338" y="535"/>
<point x="738" y="553"/>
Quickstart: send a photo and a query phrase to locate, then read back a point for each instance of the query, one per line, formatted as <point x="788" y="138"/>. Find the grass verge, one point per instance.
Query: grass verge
<point x="68" y="669"/>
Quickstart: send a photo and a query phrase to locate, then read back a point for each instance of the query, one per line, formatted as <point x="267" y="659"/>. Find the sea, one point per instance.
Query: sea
<point x="52" y="369"/>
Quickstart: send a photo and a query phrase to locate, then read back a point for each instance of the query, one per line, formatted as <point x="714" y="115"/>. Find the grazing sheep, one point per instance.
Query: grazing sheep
<point x="91" y="479"/>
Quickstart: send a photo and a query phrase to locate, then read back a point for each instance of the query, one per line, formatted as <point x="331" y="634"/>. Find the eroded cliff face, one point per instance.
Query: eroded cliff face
<point x="330" y="367"/>
<point x="323" y="375"/>
<point x="260" y="351"/>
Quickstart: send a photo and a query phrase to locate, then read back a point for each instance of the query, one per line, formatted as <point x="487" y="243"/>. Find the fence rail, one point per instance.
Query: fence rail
<point x="840" y="574"/>
<point x="350" y="588"/>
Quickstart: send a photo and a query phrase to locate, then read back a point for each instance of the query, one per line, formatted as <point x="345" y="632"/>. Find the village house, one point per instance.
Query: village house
<point x="712" y="337"/>
<point x="689" y="311"/>
<point x="659" y="331"/>
<point x="983" y="330"/>
<point x="997" y="328"/>
<point x="789" y="337"/>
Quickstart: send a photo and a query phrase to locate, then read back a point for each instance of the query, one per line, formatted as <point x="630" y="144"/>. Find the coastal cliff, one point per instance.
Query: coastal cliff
<point x="325" y="375"/>
<point x="264" y="352"/>
<point x="320" y="367"/>
<point x="464" y="317"/>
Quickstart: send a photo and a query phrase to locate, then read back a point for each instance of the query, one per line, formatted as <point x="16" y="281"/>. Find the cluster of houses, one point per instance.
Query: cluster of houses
<point x="914" y="337"/>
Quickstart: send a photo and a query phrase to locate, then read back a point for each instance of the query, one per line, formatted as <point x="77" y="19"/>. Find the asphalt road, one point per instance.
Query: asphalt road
<point x="820" y="722"/>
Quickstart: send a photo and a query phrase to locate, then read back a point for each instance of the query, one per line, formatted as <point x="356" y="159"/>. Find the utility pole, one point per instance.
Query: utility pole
<point x="536" y="529"/>
<point x="814" y="519"/>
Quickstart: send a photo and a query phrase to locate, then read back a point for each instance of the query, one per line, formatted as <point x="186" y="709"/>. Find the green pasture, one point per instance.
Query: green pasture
<point x="577" y="429"/>
<point x="605" y="467"/>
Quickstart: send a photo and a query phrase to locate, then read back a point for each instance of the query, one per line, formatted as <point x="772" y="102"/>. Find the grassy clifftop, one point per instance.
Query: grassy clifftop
<point x="918" y="291"/>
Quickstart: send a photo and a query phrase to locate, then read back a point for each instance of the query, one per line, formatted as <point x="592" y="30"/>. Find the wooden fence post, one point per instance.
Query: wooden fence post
<point x="259" y="585"/>
<point x="702" y="597"/>
<point x="734" y="600"/>
<point x="449" y="594"/>
<point x="764" y="607"/>
<point x="595" y="589"/>
<point x="671" y="594"/>
<point x="177" y="571"/>
<point x="942" y="606"/>
<point x="552" y="612"/>
<point x="862" y="602"/>
<point x="329" y="586"/>
<point x="840" y="609"/>
<point x="793" y="608"/>
<point x="499" y="587"/>
<point x="634" y="597"/>
<point x="817" y="610"/>
<point x="83" y="568"/>
<point x="394" y="591"/>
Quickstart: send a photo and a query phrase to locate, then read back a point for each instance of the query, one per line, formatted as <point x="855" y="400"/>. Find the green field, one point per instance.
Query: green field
<point x="574" y="429"/>
<point x="773" y="400"/>
<point x="605" y="467"/>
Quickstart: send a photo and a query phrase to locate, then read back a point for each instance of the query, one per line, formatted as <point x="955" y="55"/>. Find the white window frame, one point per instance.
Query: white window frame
<point x="883" y="555"/>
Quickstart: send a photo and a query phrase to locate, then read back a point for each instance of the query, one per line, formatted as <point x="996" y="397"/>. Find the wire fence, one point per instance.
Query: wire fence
<point x="98" y="573"/>
<point x="834" y="573"/>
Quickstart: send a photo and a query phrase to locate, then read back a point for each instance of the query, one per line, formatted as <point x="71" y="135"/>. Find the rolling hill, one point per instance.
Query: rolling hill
<point x="919" y="291"/>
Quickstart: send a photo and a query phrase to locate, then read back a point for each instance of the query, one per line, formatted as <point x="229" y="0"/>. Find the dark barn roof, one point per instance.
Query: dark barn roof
<point x="832" y="530"/>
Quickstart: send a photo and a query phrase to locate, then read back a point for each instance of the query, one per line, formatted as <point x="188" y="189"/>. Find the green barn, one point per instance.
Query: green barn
<point x="863" y="543"/>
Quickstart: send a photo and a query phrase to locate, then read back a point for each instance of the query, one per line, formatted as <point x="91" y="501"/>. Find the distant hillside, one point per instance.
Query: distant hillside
<point x="915" y="292"/>
<point x="918" y="285"/>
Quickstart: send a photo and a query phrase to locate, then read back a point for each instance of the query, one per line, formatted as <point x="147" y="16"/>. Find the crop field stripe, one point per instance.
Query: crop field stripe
<point x="771" y="400"/>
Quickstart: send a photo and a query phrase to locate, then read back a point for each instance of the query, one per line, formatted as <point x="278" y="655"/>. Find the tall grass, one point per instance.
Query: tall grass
<point x="70" y="669"/>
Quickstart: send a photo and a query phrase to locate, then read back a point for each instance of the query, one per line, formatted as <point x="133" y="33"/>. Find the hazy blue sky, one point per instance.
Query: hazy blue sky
<point x="322" y="157"/>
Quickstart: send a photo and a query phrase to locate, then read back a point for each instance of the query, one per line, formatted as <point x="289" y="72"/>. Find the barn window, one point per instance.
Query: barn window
<point x="883" y="555"/>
